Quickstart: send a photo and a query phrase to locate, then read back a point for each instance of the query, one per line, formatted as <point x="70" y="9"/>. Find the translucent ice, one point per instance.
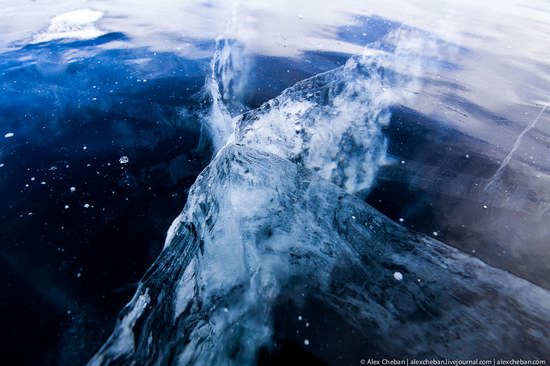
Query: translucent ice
<point x="259" y="230"/>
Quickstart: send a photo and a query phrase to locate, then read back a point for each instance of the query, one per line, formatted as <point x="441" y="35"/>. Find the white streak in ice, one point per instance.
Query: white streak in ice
<point x="505" y="162"/>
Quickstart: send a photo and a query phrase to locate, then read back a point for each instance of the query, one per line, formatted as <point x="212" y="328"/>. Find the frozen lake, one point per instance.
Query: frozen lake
<point x="432" y="113"/>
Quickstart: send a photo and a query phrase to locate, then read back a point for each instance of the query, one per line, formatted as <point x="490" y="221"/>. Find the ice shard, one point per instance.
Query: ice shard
<point x="331" y="123"/>
<point x="259" y="230"/>
<point x="274" y="229"/>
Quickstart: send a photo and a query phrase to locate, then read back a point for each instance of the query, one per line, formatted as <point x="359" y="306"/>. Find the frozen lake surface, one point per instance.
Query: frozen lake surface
<point x="375" y="181"/>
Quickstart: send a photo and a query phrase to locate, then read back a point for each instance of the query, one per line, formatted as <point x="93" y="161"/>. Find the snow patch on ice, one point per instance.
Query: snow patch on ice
<point x="76" y="24"/>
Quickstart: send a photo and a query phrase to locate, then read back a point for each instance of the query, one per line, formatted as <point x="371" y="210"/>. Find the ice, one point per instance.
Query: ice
<point x="123" y="160"/>
<point x="9" y="134"/>
<point x="496" y="176"/>
<point x="123" y="338"/>
<point x="224" y="83"/>
<point x="331" y="123"/>
<point x="76" y="24"/>
<point x="258" y="230"/>
<point x="275" y="219"/>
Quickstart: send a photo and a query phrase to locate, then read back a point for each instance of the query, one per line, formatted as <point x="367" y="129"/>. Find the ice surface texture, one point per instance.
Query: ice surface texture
<point x="258" y="229"/>
<point x="331" y="123"/>
<point x="271" y="224"/>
